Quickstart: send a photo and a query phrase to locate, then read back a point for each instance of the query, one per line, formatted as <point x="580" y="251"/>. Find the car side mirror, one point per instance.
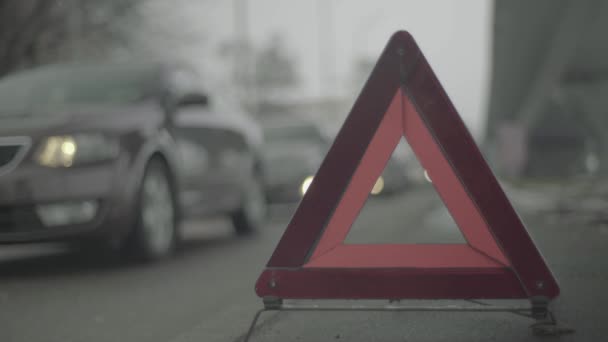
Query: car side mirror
<point x="193" y="99"/>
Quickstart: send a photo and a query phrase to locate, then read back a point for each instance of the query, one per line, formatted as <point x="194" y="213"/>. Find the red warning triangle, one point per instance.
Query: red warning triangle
<point x="403" y="98"/>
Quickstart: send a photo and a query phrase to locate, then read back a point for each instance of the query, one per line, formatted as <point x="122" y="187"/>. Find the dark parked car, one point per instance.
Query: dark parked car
<point x="118" y="154"/>
<point x="293" y="151"/>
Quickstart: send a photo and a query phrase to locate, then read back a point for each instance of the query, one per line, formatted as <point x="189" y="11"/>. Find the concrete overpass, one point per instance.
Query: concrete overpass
<point x="549" y="91"/>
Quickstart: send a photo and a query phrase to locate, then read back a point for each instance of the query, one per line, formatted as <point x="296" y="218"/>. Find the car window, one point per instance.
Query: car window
<point x="52" y="88"/>
<point x="294" y="134"/>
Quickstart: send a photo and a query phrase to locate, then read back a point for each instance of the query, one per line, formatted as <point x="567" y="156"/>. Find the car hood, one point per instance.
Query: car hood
<point x="71" y="120"/>
<point x="291" y="162"/>
<point x="297" y="153"/>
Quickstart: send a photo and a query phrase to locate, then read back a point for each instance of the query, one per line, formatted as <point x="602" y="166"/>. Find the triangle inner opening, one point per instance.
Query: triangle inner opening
<point x="404" y="207"/>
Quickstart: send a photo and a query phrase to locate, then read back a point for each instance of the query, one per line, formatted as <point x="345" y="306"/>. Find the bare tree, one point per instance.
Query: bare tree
<point x="275" y="70"/>
<point x="34" y="32"/>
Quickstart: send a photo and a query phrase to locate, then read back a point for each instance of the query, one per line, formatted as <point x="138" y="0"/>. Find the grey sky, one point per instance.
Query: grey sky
<point x="454" y="35"/>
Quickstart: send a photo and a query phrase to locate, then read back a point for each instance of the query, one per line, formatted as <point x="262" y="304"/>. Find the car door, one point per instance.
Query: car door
<point x="213" y="159"/>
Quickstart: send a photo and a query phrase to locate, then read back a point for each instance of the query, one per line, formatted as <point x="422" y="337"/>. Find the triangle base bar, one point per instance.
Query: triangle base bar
<point x="390" y="283"/>
<point x="546" y="323"/>
<point x="429" y="256"/>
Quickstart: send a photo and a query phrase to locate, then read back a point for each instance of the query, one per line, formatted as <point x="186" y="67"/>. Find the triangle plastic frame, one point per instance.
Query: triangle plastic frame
<point x="403" y="97"/>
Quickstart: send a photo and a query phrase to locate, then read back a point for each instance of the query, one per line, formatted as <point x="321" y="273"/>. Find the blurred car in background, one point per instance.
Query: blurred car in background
<point x="294" y="150"/>
<point x="220" y="168"/>
<point x="393" y="179"/>
<point x="117" y="154"/>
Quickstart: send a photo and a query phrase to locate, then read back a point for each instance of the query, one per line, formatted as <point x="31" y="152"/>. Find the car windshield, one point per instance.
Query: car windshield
<point x="52" y="88"/>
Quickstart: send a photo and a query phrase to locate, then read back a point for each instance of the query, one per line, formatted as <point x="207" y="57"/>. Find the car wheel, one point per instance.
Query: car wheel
<point x="252" y="213"/>
<point x="156" y="234"/>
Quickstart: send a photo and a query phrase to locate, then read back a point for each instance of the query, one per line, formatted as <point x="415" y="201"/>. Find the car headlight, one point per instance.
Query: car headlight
<point x="69" y="150"/>
<point x="378" y="186"/>
<point x="305" y="185"/>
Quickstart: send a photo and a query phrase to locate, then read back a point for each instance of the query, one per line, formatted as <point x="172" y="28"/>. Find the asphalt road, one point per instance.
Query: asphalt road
<point x="206" y="293"/>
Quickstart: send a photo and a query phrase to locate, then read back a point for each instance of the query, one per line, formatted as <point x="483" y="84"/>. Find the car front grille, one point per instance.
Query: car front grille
<point x="15" y="219"/>
<point x="12" y="149"/>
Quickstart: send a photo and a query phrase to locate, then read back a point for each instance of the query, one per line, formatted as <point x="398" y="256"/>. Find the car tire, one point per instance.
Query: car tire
<point x="253" y="210"/>
<point x="156" y="232"/>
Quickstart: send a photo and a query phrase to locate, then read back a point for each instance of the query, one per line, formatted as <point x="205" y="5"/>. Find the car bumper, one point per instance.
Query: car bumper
<point x="42" y="204"/>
